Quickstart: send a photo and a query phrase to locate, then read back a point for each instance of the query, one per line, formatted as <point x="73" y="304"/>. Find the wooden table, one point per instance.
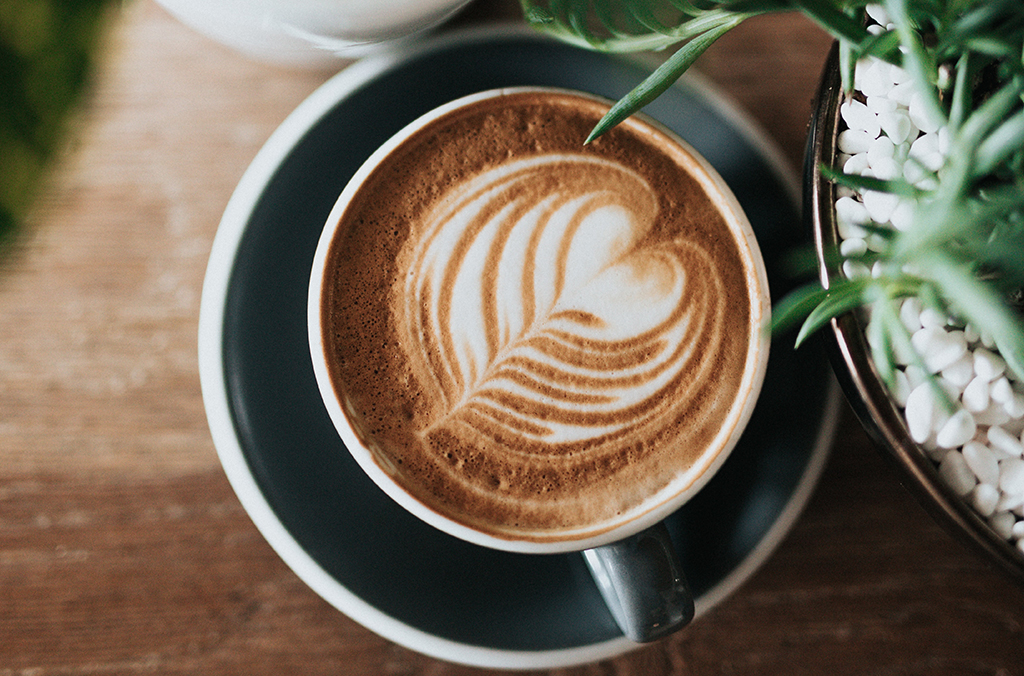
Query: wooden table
<point x="123" y="549"/>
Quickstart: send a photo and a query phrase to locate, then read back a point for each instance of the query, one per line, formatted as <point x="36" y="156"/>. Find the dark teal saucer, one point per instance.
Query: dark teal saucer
<point x="331" y="524"/>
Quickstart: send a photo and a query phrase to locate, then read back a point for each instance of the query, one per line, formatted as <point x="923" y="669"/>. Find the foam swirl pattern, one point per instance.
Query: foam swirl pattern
<point x="549" y="318"/>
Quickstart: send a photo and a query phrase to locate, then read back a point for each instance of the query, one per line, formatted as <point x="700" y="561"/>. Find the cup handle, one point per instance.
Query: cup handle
<point x="643" y="584"/>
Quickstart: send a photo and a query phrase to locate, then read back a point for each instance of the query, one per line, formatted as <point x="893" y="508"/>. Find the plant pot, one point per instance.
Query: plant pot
<point x="849" y="353"/>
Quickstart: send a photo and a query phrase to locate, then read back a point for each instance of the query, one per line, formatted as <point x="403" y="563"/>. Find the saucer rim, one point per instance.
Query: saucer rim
<point x="231" y="229"/>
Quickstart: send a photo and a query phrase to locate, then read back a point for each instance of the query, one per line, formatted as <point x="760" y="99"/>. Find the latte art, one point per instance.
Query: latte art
<point x="536" y="339"/>
<point x="539" y="307"/>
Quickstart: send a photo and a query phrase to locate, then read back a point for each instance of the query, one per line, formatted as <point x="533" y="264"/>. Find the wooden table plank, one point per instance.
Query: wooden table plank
<point x="122" y="548"/>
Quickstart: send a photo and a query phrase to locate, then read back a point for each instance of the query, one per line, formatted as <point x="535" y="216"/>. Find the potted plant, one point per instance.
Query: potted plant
<point x="914" y="189"/>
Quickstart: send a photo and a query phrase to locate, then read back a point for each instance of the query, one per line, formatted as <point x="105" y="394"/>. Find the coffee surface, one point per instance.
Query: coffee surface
<point x="533" y="336"/>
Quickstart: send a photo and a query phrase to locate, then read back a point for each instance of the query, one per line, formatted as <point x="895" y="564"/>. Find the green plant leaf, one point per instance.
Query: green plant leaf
<point x="795" y="306"/>
<point x="662" y="78"/>
<point x="843" y="297"/>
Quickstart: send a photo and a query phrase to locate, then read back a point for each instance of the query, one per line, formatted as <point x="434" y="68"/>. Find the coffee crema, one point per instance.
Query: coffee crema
<point x="536" y="338"/>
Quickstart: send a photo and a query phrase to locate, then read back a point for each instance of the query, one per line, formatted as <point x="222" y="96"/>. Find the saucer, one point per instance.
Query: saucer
<point x="340" y="534"/>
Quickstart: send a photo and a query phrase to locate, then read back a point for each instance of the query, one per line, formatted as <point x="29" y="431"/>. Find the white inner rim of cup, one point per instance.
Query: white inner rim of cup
<point x="659" y="505"/>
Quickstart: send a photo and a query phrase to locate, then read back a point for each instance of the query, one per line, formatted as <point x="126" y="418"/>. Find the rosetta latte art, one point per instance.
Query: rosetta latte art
<point x="543" y="305"/>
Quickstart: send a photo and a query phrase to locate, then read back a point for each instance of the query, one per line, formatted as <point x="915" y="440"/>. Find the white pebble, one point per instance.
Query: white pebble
<point x="984" y="498"/>
<point x="920" y="412"/>
<point x="960" y="372"/>
<point x="1002" y="524"/>
<point x="859" y="116"/>
<point x="876" y="242"/>
<point x="1009" y="501"/>
<point x="926" y="151"/>
<point x="993" y="415"/>
<point x="853" y="247"/>
<point x="882" y="148"/>
<point x="988" y="365"/>
<point x="971" y="334"/>
<point x="1011" y="476"/>
<point x="851" y="211"/>
<point x="897" y="125"/>
<point x="881" y="104"/>
<point x="1017" y="531"/>
<point x="857" y="165"/>
<point x="1003" y="443"/>
<point x="854" y="269"/>
<point x="939" y="348"/>
<point x="873" y="79"/>
<point x="914" y="172"/>
<point x="849" y="230"/>
<point x="854" y="141"/>
<point x="886" y="169"/>
<point x="1014" y="407"/>
<point x="899" y="75"/>
<point x="902" y="94"/>
<point x="982" y="462"/>
<point x="910" y="313"/>
<point x="975" y="396"/>
<point x="878" y="13"/>
<point x="880" y="205"/>
<point x="921" y="114"/>
<point x="932" y="318"/>
<point x="1001" y="391"/>
<point x="957" y="430"/>
<point x="956" y="474"/>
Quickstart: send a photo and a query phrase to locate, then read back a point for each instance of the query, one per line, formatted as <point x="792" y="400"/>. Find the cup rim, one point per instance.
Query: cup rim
<point x="669" y="498"/>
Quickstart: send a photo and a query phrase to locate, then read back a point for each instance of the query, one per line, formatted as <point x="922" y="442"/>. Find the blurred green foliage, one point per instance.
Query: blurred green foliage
<point x="47" y="48"/>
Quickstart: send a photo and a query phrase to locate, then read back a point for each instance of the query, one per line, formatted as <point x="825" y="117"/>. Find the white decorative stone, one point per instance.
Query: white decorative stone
<point x="939" y="348"/>
<point x="854" y="247"/>
<point x="1011" y="476"/>
<point x="854" y="141"/>
<point x="956" y="474"/>
<point x="850" y="210"/>
<point x="957" y="430"/>
<point x="988" y="365"/>
<point x="984" y="498"/>
<point x="896" y="125"/>
<point x="975" y="396"/>
<point x="960" y="372"/>
<point x="920" y="412"/>
<point x="982" y="462"/>
<point x="1006" y="445"/>
<point x="857" y="165"/>
<point x="880" y="205"/>
<point x="1001" y="390"/>
<point x="1002" y="524"/>
<point x="858" y="116"/>
<point x="902" y="217"/>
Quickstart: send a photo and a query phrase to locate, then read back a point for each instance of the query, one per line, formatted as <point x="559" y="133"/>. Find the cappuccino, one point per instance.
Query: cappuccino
<point x="538" y="339"/>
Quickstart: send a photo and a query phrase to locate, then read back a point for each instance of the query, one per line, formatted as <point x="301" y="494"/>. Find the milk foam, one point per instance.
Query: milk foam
<point x="539" y="307"/>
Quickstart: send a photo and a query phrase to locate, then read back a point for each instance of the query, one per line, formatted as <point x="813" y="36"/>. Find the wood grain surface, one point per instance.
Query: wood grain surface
<point x="122" y="547"/>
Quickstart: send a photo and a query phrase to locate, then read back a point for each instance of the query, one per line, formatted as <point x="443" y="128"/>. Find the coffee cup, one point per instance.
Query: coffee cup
<point x="540" y="345"/>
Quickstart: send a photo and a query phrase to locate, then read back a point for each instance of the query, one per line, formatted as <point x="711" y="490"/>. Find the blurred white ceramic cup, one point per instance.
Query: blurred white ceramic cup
<point x="310" y="33"/>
